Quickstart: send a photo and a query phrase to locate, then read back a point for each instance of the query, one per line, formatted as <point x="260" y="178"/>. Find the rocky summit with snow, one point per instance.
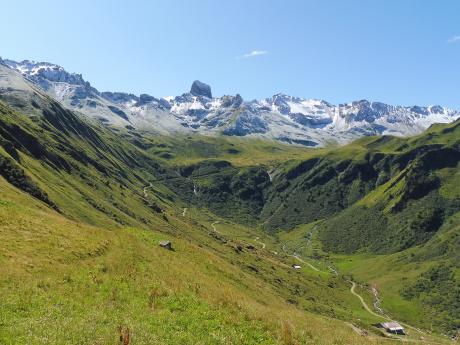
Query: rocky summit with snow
<point x="294" y="120"/>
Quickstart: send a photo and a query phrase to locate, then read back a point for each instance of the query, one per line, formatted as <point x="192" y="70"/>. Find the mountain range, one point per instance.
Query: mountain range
<point x="295" y="120"/>
<point x="270" y="243"/>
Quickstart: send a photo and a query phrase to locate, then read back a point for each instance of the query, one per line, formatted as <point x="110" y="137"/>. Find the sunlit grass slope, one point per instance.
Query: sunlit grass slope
<point x="64" y="282"/>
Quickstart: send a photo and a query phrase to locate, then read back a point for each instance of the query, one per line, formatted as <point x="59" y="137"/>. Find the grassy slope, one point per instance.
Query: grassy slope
<point x="331" y="180"/>
<point x="67" y="282"/>
<point x="78" y="275"/>
<point x="405" y="214"/>
<point x="191" y="149"/>
<point x="104" y="187"/>
<point x="361" y="166"/>
<point x="426" y="227"/>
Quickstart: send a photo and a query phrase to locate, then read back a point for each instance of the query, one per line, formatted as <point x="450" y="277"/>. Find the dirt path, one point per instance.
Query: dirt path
<point x="352" y="290"/>
<point x="150" y="185"/>
<point x="298" y="258"/>
<point x="363" y="302"/>
<point x="306" y="263"/>
<point x="261" y="243"/>
<point x="384" y="317"/>
<point x="356" y="329"/>
<point x="213" y="225"/>
<point x="184" y="212"/>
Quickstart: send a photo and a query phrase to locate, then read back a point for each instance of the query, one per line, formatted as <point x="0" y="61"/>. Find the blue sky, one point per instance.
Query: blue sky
<point x="396" y="51"/>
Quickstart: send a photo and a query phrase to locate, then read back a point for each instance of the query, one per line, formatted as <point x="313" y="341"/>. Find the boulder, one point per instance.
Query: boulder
<point x="166" y="245"/>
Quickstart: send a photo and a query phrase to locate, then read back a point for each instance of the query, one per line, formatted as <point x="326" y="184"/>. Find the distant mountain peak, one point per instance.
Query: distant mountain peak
<point x="44" y="72"/>
<point x="31" y="68"/>
<point x="200" y="89"/>
<point x="281" y="117"/>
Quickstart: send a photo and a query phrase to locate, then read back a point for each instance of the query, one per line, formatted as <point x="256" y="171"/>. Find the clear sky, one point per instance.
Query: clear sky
<point x="396" y="51"/>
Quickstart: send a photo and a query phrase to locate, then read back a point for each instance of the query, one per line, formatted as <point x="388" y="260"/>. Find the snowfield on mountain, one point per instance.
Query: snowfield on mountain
<point x="294" y="120"/>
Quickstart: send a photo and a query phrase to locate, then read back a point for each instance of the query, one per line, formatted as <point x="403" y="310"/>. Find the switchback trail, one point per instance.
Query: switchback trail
<point x="261" y="243"/>
<point x="145" y="189"/>
<point x="213" y="225"/>
<point x="184" y="212"/>
<point x="356" y="329"/>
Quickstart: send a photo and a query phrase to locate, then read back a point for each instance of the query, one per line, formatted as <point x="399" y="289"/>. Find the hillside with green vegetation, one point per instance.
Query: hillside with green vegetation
<point x="82" y="211"/>
<point x="66" y="282"/>
<point x="418" y="198"/>
<point x="416" y="213"/>
<point x="387" y="195"/>
<point x="379" y="195"/>
<point x="83" y="206"/>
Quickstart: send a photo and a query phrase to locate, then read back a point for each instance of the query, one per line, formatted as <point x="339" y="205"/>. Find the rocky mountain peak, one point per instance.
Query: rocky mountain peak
<point x="200" y="89"/>
<point x="44" y="73"/>
<point x="282" y="117"/>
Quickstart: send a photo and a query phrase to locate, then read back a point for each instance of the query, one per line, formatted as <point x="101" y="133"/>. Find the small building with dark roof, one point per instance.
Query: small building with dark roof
<point x="393" y="327"/>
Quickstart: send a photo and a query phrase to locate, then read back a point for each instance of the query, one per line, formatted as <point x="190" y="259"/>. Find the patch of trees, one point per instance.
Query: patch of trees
<point x="438" y="290"/>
